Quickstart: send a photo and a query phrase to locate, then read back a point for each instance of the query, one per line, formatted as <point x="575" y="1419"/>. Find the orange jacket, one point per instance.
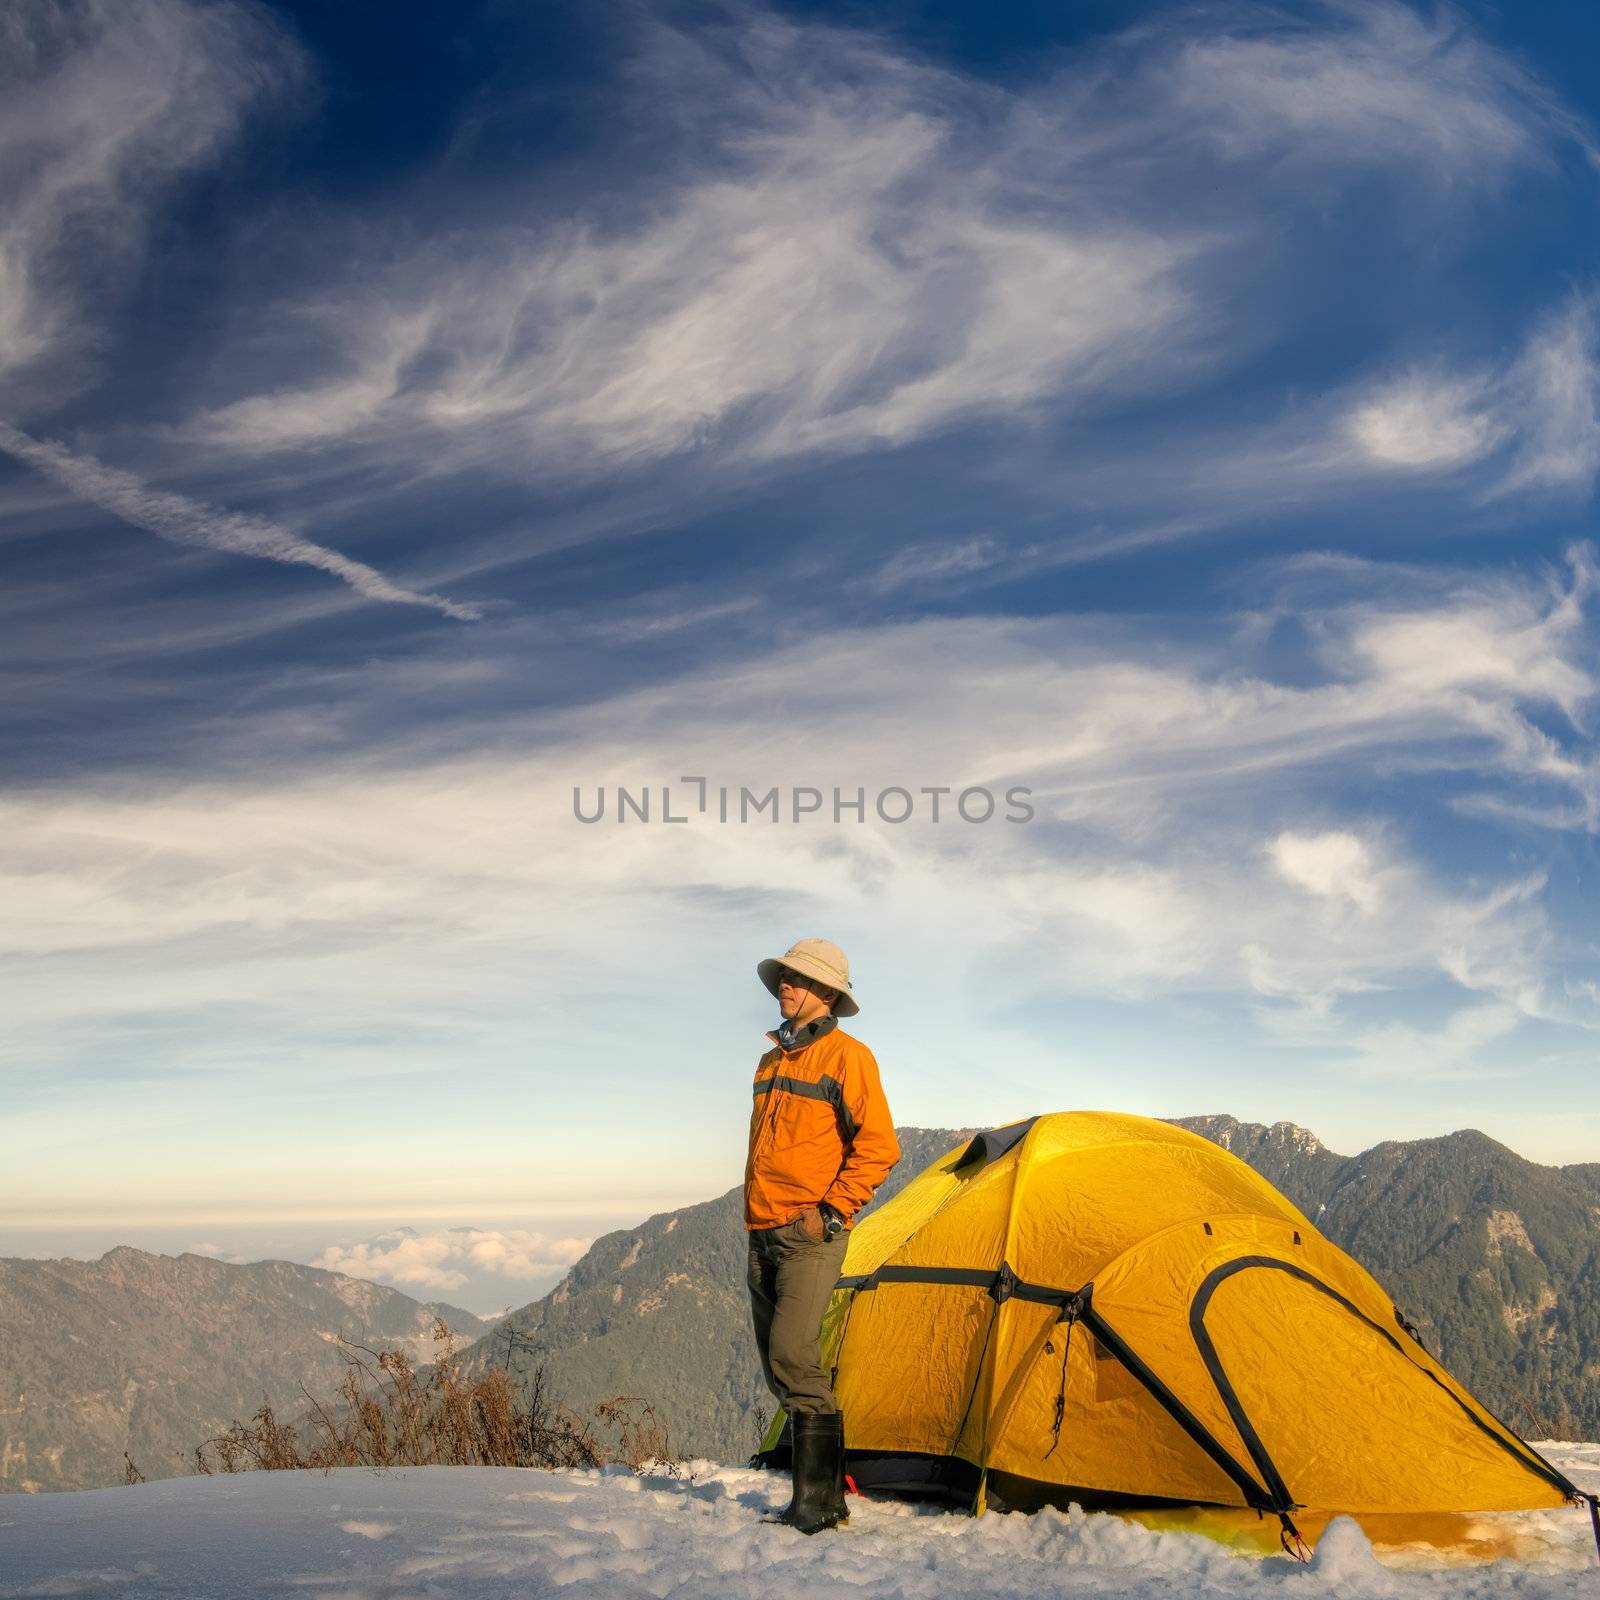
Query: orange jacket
<point x="820" y="1129"/>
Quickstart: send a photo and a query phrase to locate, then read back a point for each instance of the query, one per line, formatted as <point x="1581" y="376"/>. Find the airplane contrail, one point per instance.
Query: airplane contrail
<point x="185" y="521"/>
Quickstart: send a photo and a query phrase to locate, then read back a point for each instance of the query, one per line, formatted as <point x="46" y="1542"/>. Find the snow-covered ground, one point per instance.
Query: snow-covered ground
<point x="494" y="1533"/>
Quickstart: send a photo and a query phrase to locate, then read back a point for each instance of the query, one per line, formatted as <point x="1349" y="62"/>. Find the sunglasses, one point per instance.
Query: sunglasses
<point x="794" y="980"/>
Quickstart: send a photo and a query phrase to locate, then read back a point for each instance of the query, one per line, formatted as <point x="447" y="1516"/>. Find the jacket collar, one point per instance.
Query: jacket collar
<point x="790" y="1039"/>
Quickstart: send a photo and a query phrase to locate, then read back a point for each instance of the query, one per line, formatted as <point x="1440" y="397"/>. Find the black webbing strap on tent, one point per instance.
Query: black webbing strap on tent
<point x="1001" y="1282"/>
<point x="969" y="1277"/>
<point x="1255" y="1496"/>
<point x="1526" y="1456"/>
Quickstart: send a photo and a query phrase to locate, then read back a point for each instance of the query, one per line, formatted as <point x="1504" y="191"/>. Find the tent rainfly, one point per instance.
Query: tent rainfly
<point x="1111" y="1311"/>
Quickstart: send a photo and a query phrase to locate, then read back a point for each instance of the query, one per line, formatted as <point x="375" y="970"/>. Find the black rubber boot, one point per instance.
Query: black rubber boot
<point x="818" y="1473"/>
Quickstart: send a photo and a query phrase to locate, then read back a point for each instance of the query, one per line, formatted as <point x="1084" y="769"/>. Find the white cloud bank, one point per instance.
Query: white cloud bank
<point x="446" y="1259"/>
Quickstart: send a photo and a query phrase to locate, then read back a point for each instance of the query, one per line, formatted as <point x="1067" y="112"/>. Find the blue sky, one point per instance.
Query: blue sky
<point x="1187" y="414"/>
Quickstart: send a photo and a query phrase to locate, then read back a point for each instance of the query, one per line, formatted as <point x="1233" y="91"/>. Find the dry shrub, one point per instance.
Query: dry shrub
<point x="642" y="1442"/>
<point x="388" y="1415"/>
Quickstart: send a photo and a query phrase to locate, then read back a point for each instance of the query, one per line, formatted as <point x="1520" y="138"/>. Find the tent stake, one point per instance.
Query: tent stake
<point x="1293" y="1544"/>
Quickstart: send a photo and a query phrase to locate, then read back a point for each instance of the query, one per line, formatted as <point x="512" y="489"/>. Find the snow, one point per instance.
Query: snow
<point x="492" y="1533"/>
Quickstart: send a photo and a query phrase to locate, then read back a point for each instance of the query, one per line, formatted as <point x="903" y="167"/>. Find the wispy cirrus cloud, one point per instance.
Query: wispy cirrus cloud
<point x="1459" y="1048"/>
<point x="1534" y="422"/>
<point x="1555" y="389"/>
<point x="1526" y="424"/>
<point x="1471" y="1043"/>
<point x="860" y="251"/>
<point x="1422" y="420"/>
<point x="103" y="104"/>
<point x="1360" y="83"/>
<point x="845" y="269"/>
<point x="839" y="269"/>
<point x="185" y="521"/>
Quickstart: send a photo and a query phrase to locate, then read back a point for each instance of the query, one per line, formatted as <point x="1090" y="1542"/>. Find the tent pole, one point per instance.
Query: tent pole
<point x="980" y="1500"/>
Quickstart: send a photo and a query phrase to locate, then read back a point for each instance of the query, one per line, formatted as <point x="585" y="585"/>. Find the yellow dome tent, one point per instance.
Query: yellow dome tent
<point x="1109" y="1310"/>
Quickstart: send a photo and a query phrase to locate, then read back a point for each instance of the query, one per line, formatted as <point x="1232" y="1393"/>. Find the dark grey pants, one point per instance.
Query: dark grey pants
<point x="790" y="1281"/>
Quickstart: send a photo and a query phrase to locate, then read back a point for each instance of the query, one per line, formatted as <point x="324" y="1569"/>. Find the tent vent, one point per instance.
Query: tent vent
<point x="994" y="1143"/>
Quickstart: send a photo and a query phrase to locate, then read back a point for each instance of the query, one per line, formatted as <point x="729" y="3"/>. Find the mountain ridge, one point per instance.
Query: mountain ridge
<point x="152" y="1354"/>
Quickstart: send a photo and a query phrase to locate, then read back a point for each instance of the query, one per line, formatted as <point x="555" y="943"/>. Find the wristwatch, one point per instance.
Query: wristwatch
<point x="832" y="1222"/>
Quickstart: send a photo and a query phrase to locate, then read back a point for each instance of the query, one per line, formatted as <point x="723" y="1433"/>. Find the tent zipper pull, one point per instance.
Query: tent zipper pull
<point x="1069" y="1315"/>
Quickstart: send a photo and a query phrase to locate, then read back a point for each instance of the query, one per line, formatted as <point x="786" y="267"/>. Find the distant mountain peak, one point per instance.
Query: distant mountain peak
<point x="1234" y="1135"/>
<point x="1302" y="1139"/>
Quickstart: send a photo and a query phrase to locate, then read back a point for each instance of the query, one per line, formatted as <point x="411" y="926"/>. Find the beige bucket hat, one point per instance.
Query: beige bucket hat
<point x="816" y="958"/>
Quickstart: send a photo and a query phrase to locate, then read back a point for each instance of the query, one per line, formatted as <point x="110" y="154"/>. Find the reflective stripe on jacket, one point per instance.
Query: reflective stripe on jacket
<point x="820" y="1129"/>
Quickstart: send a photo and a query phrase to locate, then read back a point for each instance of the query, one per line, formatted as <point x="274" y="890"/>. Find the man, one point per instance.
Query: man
<point x="821" y="1141"/>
